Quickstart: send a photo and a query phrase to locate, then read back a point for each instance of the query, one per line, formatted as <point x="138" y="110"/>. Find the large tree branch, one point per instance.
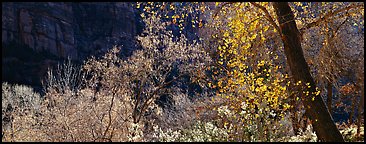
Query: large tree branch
<point x="138" y="97"/>
<point x="153" y="96"/>
<point x="268" y="16"/>
<point x="338" y="27"/>
<point x="110" y="114"/>
<point x="329" y="15"/>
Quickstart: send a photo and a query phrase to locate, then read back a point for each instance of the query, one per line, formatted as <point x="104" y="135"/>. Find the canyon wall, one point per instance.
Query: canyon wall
<point x="72" y="30"/>
<point x="64" y="30"/>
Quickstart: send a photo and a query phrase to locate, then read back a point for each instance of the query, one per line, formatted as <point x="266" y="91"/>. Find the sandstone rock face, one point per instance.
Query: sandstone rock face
<point x="74" y="30"/>
<point x="38" y="35"/>
<point x="59" y="30"/>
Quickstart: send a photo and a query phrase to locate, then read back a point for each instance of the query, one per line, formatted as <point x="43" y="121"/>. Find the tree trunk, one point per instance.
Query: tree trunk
<point x="294" y="117"/>
<point x="353" y="108"/>
<point x="316" y="109"/>
<point x="329" y="98"/>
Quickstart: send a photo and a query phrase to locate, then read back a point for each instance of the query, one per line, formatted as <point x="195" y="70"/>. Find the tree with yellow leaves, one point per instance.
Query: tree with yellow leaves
<point x="244" y="35"/>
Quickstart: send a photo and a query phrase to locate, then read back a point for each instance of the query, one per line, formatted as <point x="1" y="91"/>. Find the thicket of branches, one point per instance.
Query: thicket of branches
<point x="232" y="84"/>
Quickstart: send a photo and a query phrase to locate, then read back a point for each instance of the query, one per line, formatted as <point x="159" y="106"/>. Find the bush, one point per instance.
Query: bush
<point x="304" y="136"/>
<point x="349" y="132"/>
<point x="157" y="69"/>
<point x="66" y="76"/>
<point x="86" y="116"/>
<point x="199" y="132"/>
<point x="20" y="106"/>
<point x="117" y="97"/>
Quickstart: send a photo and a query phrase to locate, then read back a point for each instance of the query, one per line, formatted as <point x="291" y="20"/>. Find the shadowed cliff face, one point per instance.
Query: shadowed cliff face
<point x="60" y="30"/>
<point x="72" y="30"/>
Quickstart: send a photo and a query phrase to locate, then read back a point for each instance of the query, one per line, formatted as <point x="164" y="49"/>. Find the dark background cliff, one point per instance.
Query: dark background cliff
<point x="37" y="35"/>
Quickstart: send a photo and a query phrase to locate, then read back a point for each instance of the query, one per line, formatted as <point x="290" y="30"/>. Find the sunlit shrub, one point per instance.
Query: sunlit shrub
<point x="307" y="135"/>
<point x="19" y="111"/>
<point x="198" y="132"/>
<point x="349" y="133"/>
<point x="117" y="99"/>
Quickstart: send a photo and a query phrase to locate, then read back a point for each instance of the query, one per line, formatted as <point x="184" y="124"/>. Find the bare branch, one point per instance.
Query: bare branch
<point x="153" y="95"/>
<point x="337" y="29"/>
<point x="329" y="15"/>
<point x="109" y="115"/>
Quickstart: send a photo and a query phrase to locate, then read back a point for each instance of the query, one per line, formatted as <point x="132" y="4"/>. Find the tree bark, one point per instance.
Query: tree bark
<point x="353" y="108"/>
<point x="316" y="109"/>
<point x="329" y="97"/>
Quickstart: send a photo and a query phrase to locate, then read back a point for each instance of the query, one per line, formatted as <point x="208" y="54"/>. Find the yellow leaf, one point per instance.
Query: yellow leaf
<point x="317" y="93"/>
<point x="174" y="21"/>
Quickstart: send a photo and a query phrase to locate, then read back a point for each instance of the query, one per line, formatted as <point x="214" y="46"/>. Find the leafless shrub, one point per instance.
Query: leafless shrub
<point x="118" y="99"/>
<point x="66" y="76"/>
<point x="20" y="105"/>
<point x="80" y="117"/>
<point x="149" y="72"/>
